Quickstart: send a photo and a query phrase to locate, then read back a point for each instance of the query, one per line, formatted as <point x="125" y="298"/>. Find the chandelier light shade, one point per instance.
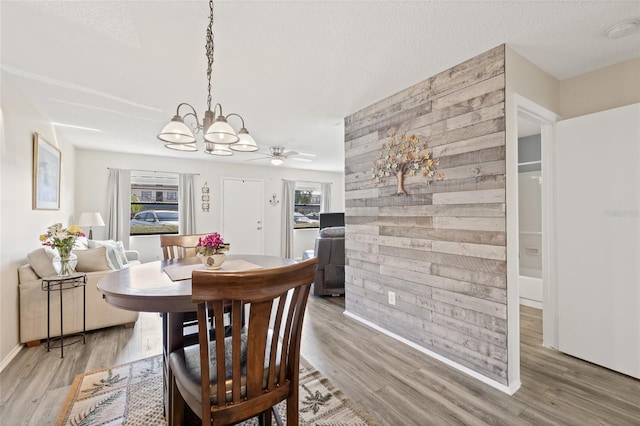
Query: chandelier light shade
<point x="221" y="132"/>
<point x="188" y="147"/>
<point x="246" y="142"/>
<point x="176" y="132"/>
<point x="218" y="134"/>
<point x="220" y="149"/>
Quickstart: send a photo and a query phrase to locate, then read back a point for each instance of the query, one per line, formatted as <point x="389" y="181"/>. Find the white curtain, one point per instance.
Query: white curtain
<point x="186" y="204"/>
<point x="288" y="200"/>
<point x="119" y="205"/>
<point x="325" y="190"/>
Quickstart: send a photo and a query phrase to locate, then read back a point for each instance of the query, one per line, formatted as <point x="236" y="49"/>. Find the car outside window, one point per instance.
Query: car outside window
<point x="167" y="216"/>
<point x="154" y="203"/>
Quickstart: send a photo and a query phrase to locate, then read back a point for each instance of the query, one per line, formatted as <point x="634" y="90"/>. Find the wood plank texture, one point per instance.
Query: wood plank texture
<point x="442" y="248"/>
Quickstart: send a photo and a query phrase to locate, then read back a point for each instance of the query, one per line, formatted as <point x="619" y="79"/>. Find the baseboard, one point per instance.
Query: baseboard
<point x="15" y="351"/>
<point x="510" y="390"/>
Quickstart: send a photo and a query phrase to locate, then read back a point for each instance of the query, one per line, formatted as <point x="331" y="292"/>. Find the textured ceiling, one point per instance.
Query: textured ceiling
<point x="292" y="69"/>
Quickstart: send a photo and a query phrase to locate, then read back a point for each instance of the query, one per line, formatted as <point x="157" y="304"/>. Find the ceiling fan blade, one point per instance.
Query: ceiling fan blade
<point x="258" y="158"/>
<point x="290" y="153"/>
<point x="304" y="160"/>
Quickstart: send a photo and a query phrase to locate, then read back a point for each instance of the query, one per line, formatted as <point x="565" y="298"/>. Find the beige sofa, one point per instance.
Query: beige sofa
<point x="33" y="300"/>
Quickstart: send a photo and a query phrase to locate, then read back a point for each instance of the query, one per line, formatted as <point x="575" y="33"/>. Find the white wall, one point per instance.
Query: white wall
<point x="20" y="226"/>
<point x="91" y="182"/>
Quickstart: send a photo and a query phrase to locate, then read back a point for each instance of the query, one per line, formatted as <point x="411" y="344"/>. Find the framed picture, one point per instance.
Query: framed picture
<point x="46" y="175"/>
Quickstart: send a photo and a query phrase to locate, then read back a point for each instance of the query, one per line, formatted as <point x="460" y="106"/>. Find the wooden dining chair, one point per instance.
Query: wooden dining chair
<point x="232" y="379"/>
<point x="179" y="246"/>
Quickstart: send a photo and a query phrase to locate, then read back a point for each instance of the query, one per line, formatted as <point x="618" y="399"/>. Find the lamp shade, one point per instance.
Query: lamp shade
<point x="182" y="146"/>
<point x="176" y="132"/>
<point x="90" y="219"/>
<point x="246" y="142"/>
<point x="277" y="161"/>
<point x="222" y="150"/>
<point x="221" y="132"/>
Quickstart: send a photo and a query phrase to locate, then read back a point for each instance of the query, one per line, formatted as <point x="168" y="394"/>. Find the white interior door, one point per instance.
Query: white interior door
<point x="598" y="235"/>
<point x="242" y="215"/>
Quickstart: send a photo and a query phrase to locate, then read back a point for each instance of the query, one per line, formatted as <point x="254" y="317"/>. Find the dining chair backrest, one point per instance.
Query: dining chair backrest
<point x="179" y="246"/>
<point x="260" y="359"/>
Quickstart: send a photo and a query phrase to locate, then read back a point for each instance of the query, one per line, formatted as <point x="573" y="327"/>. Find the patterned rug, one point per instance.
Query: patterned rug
<point x="131" y="394"/>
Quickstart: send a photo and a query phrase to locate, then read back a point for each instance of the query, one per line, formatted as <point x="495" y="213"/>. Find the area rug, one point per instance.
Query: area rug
<point x="131" y="394"/>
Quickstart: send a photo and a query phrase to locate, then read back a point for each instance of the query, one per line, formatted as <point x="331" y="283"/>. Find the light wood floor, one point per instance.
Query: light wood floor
<point x="392" y="382"/>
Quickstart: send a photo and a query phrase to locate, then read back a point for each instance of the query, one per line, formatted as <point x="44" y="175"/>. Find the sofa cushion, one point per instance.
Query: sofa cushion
<point x="40" y="260"/>
<point x="332" y="231"/>
<point x="115" y="252"/>
<point x="92" y="260"/>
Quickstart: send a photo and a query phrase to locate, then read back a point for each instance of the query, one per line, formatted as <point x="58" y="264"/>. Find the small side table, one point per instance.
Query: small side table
<point x="59" y="284"/>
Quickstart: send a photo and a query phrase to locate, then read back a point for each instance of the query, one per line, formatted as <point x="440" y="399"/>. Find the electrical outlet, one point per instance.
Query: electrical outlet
<point x="392" y="298"/>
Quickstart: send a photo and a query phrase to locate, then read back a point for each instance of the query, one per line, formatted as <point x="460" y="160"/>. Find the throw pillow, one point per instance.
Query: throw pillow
<point x="81" y="243"/>
<point x="92" y="260"/>
<point x="120" y="251"/>
<point x="112" y="255"/>
<point x="40" y="262"/>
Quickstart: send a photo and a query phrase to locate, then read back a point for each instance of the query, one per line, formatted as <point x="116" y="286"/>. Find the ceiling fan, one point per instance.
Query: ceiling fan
<point x="277" y="155"/>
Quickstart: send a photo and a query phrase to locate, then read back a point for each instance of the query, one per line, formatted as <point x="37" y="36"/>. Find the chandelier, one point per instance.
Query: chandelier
<point x="219" y="137"/>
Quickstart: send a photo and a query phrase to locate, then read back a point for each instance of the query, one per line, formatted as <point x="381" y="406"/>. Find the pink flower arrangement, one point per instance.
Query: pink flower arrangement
<point x="211" y="244"/>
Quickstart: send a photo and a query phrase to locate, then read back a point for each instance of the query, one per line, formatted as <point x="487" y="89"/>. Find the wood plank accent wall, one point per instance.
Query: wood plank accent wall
<point x="442" y="248"/>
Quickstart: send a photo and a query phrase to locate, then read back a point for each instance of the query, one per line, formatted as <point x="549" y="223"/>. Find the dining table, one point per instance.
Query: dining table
<point x="164" y="286"/>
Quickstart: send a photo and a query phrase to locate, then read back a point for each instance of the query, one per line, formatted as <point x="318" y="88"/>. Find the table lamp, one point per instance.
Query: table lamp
<point x="90" y="220"/>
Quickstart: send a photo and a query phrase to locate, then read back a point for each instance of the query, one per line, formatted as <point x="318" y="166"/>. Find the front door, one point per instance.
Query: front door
<point x="242" y="215"/>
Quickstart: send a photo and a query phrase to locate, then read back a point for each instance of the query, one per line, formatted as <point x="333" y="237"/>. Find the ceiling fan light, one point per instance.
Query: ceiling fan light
<point x="221" y="132"/>
<point x="176" y="132"/>
<point x="221" y="150"/>
<point x="246" y="142"/>
<point x="188" y="147"/>
<point x="277" y="161"/>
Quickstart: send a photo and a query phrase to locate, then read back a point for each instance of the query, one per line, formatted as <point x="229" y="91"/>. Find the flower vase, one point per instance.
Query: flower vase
<point x="213" y="261"/>
<point x="65" y="263"/>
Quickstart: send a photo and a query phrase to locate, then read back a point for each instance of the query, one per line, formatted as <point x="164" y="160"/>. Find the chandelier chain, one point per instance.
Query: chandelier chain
<point x="209" y="49"/>
<point x="217" y="132"/>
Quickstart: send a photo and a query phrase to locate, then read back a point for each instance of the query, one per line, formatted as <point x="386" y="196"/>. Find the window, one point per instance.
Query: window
<point x="308" y="199"/>
<point x="154" y="203"/>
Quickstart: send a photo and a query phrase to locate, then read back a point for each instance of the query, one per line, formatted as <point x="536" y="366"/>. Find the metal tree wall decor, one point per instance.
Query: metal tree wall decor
<point x="403" y="155"/>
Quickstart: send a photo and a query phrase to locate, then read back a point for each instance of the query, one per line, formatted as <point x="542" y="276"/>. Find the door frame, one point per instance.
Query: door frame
<point x="546" y="119"/>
